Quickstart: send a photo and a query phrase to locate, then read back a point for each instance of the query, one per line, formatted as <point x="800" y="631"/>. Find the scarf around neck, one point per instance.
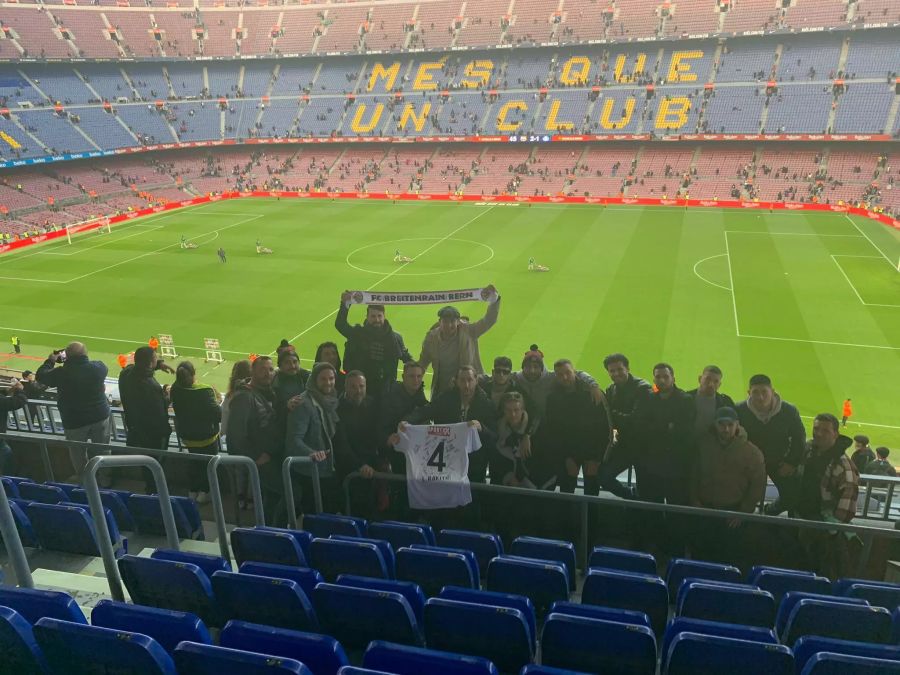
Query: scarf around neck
<point x="327" y="404"/>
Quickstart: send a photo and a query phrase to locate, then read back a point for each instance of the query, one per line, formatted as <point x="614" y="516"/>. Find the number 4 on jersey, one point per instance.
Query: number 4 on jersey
<point x="437" y="457"/>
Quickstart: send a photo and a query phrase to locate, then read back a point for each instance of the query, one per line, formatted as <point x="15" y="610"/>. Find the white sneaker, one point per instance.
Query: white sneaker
<point x="202" y="498"/>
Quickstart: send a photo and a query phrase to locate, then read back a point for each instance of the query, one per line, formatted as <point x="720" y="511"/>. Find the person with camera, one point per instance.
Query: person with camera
<point x="13" y="400"/>
<point x="83" y="405"/>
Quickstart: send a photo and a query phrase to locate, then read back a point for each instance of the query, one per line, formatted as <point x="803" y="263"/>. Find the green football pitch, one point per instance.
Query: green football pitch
<point x="811" y="299"/>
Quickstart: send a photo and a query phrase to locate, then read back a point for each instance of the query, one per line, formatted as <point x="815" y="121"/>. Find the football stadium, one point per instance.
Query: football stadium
<point x="426" y="336"/>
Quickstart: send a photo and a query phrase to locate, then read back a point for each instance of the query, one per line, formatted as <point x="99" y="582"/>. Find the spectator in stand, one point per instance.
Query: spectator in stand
<point x="828" y="491"/>
<point x="576" y="429"/>
<point x="83" y="405"/>
<point x="465" y="402"/>
<point x="374" y="347"/>
<point x="707" y="400"/>
<point x="197" y="418"/>
<point x="665" y="422"/>
<point x="252" y="428"/>
<point x="880" y="466"/>
<point x="519" y="461"/>
<point x="500" y="383"/>
<point x="358" y="418"/>
<point x="536" y="382"/>
<point x="313" y="431"/>
<point x="862" y="453"/>
<point x="13" y="400"/>
<point x="624" y="396"/>
<point x="453" y="344"/>
<point x="288" y="384"/>
<point x="327" y="352"/>
<point x="146" y="409"/>
<point x="34" y="391"/>
<point x="240" y="377"/>
<point x="774" y="426"/>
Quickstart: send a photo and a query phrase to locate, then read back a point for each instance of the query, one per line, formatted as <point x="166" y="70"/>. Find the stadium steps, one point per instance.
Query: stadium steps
<point x="33" y="85"/>
<point x="172" y="94"/>
<point x="457" y="31"/>
<point x="127" y="78"/>
<point x="409" y="34"/>
<point x="25" y="131"/>
<point x="892" y="115"/>
<point x="118" y="41"/>
<point x="205" y="78"/>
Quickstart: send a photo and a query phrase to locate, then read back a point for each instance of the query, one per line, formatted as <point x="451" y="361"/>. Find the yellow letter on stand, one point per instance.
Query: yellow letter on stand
<point x="357" y="124"/>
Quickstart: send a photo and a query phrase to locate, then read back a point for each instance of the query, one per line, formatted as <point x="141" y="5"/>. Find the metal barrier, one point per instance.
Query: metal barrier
<point x="865" y="533"/>
<point x="289" y="487"/>
<point x="215" y="493"/>
<point x="89" y="480"/>
<point x="13" y="543"/>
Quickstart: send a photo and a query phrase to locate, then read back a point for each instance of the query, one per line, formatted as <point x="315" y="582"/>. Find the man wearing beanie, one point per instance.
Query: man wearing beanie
<point x="453" y="344"/>
<point x="536" y="382"/>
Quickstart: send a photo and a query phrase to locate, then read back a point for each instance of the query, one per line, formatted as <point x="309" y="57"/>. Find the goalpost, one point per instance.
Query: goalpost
<point x="86" y="227"/>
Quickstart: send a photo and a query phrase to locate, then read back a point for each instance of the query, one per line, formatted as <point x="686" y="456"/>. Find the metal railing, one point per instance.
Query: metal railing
<point x="288" y="485"/>
<point x="10" y="535"/>
<point x="92" y="488"/>
<point x="215" y="493"/>
<point x="865" y="533"/>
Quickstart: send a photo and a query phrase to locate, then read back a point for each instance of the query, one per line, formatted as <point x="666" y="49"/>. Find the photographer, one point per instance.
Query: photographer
<point x="145" y="402"/>
<point x="83" y="405"/>
<point x="14" y="399"/>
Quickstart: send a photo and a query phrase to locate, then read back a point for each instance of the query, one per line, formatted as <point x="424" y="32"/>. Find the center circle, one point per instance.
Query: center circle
<point x="388" y="249"/>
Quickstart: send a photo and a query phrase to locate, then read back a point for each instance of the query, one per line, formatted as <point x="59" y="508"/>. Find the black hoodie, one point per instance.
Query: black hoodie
<point x="377" y="352"/>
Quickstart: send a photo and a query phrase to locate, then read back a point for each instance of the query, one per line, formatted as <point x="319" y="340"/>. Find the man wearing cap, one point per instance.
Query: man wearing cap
<point x="729" y="474"/>
<point x="453" y="344"/>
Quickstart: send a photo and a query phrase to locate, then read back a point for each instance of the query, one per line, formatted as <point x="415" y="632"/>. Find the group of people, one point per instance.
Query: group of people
<point x="540" y="426"/>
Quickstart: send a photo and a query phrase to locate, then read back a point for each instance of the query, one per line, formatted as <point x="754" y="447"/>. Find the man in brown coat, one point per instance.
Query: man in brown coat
<point x="729" y="474"/>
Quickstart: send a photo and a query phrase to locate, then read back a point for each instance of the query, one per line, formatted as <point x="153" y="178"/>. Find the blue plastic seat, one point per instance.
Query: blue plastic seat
<point x="597" y="646"/>
<point x="623" y="590"/>
<point x="499" y="634"/>
<point x="198" y="659"/>
<point x="727" y="603"/>
<point x="114" y="500"/>
<point x="208" y="564"/>
<point x="692" y="653"/>
<point x="68" y="488"/>
<point x="384" y="547"/>
<point x="68" y="529"/>
<point x="303" y="538"/>
<point x="79" y="649"/>
<point x="485" y="546"/>
<point x="841" y="586"/>
<point x="266" y="546"/>
<point x="34" y="604"/>
<point x="602" y="613"/>
<point x="119" y="543"/>
<point x="42" y="494"/>
<point x="166" y="626"/>
<point x="497" y="599"/>
<point x="20" y="652"/>
<point x="305" y="577"/>
<point x="810" y="645"/>
<point x="23" y="524"/>
<point x="323" y="655"/>
<point x="535" y="669"/>
<point x="407" y="660"/>
<point x="356" y="616"/>
<point x="412" y="592"/>
<point x="879" y="594"/>
<point x="165" y="584"/>
<point x="265" y="600"/>
<point x="826" y="663"/>
<point x="779" y="582"/>
<point x="791" y="598"/>
<point x="730" y="630"/>
<point x="333" y="557"/>
<point x="543" y="582"/>
<point x="10" y="487"/>
<point x="838" y="620"/>
<point x="432" y="568"/>
<point x="680" y="569"/>
<point x="402" y="534"/>
<point x="548" y="549"/>
<point x="623" y="560"/>
<point x="147" y="514"/>
<point x="326" y="524"/>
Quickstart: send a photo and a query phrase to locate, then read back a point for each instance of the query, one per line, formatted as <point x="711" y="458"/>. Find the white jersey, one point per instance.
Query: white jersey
<point x="437" y="464"/>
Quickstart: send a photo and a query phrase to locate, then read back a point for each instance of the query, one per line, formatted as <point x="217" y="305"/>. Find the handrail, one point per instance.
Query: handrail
<point x="10" y="534"/>
<point x="91" y="487"/>
<point x="865" y="532"/>
<point x="215" y="493"/>
<point x="289" y="487"/>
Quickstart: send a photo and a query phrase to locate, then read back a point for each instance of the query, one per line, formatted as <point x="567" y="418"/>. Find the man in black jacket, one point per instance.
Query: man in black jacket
<point x="14" y="400"/>
<point x="144" y="401"/>
<point x="374" y="347"/>
<point x="623" y="396"/>
<point x="707" y="400"/>
<point x="357" y="415"/>
<point x="774" y="426"/>
<point x="81" y="389"/>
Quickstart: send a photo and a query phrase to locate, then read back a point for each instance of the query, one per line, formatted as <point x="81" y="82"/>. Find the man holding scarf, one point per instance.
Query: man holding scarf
<point x="313" y="431"/>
